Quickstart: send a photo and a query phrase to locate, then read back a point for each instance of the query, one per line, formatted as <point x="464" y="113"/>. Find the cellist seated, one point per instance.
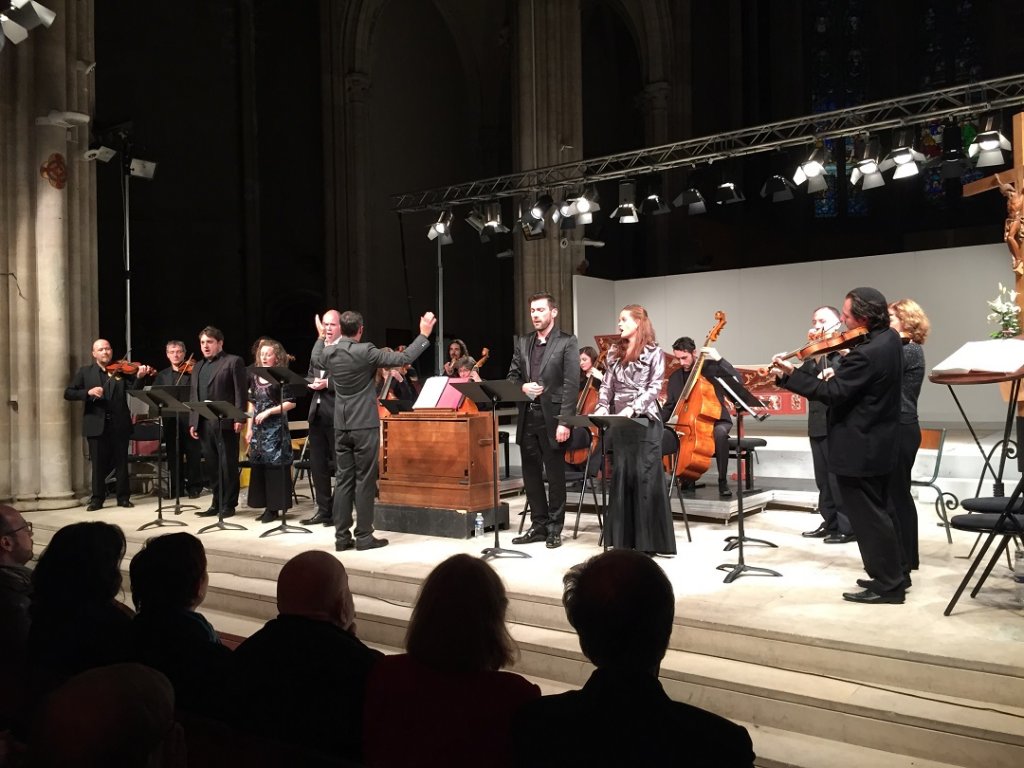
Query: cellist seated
<point x="685" y="351"/>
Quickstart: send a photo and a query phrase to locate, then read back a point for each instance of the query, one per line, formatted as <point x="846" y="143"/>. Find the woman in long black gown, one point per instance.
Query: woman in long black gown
<point x="266" y="433"/>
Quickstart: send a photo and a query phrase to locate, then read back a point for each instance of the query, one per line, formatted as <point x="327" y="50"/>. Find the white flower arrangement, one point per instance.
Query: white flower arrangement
<point x="1005" y="313"/>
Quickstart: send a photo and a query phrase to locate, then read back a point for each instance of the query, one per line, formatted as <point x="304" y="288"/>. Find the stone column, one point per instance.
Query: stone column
<point x="357" y="88"/>
<point x="549" y="131"/>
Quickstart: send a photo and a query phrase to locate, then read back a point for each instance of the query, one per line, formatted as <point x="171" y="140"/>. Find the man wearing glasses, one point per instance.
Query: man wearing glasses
<point x="15" y="581"/>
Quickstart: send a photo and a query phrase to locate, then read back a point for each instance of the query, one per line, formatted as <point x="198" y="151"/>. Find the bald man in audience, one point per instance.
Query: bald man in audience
<point x="315" y="624"/>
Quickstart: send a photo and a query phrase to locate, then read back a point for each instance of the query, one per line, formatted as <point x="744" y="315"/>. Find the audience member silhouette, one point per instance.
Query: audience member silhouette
<point x="15" y="598"/>
<point x="308" y="660"/>
<point x="446" y="695"/>
<point x="119" y="715"/>
<point x="77" y="622"/>
<point x="621" y="605"/>
<point x="169" y="580"/>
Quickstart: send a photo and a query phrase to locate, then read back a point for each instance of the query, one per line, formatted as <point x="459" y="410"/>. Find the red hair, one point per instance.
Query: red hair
<point x="643" y="337"/>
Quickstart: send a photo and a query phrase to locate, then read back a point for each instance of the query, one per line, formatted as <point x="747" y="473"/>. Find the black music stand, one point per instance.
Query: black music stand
<point x="161" y="402"/>
<point x="217" y="412"/>
<point x="174" y="395"/>
<point x="612" y="423"/>
<point x="744" y="401"/>
<point x="494" y="392"/>
<point x="281" y="376"/>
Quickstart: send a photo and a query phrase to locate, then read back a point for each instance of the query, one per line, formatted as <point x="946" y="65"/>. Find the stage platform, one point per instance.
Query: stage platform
<point x="820" y="682"/>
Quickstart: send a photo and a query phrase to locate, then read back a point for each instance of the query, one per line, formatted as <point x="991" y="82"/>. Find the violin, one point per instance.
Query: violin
<point x="123" y="368"/>
<point x="185" y="369"/>
<point x="829" y="341"/>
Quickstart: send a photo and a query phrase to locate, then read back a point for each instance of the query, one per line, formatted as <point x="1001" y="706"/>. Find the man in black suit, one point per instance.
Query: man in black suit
<point x="547" y="365"/>
<point x="621" y="605"/>
<point x="351" y="364"/>
<point x="218" y="376"/>
<point x="835" y="525"/>
<point x="183" y="453"/>
<point x="321" y="423"/>
<point x="714" y="366"/>
<point x="863" y="399"/>
<point x="107" y="424"/>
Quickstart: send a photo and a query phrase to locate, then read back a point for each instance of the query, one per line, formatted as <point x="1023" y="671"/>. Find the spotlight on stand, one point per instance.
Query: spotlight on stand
<point x="440" y="230"/>
<point x="812" y="170"/>
<point x="866" y="173"/>
<point x="904" y="158"/>
<point x="19" y="16"/>
<point x="626" y="211"/>
<point x="779" y="187"/>
<point x="692" y="199"/>
<point x="727" y="193"/>
<point x="988" y="147"/>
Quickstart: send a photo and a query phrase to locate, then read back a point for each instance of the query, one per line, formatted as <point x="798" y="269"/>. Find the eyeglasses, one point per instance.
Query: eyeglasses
<point x="26" y="526"/>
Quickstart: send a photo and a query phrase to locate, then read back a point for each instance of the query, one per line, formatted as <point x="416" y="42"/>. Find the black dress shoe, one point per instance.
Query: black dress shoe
<point x="341" y="546"/>
<point x="868" y="583"/>
<point x="126" y="504"/>
<point x="818" y="533"/>
<point x="532" y="535"/>
<point x="268" y="516"/>
<point x="318" y="519"/>
<point x="94" y="505"/>
<point x="723" y="489"/>
<point x="554" y="541"/>
<point x="370" y="542"/>
<point x="839" y="538"/>
<point x="211" y="512"/>
<point x="228" y="512"/>
<point x="867" y="596"/>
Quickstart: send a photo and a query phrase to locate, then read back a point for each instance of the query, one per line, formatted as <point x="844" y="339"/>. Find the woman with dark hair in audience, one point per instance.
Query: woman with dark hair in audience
<point x="447" y="691"/>
<point x="77" y="622"/>
<point x="169" y="580"/>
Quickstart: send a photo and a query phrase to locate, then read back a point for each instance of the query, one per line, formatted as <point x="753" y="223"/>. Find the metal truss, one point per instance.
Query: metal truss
<point x="922" y="108"/>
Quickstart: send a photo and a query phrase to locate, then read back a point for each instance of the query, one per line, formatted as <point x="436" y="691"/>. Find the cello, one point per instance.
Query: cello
<point x="695" y="413"/>
<point x="586" y="404"/>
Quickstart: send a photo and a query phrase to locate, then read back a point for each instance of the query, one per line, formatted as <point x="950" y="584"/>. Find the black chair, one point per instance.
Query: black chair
<point x="300" y="464"/>
<point x="1007" y="524"/>
<point x="748" y="452"/>
<point x="934" y="440"/>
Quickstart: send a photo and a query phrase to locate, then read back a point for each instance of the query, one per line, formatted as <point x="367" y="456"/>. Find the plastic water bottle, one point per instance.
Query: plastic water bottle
<point x="1018" y="575"/>
<point x="478" y="528"/>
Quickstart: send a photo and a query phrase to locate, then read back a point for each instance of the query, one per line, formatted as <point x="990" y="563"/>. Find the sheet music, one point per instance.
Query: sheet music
<point x="992" y="356"/>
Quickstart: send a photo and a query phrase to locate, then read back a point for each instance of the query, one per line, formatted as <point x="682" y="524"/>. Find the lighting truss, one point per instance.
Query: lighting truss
<point x="931" y="106"/>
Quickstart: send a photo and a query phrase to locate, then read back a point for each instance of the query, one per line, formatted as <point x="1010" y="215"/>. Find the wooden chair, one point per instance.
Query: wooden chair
<point x="932" y="441"/>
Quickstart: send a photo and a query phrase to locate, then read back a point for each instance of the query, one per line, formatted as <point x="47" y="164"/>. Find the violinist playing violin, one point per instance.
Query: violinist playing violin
<point x="863" y="399"/>
<point x="107" y="424"/>
<point x="715" y="365"/>
<point x="182" y="451"/>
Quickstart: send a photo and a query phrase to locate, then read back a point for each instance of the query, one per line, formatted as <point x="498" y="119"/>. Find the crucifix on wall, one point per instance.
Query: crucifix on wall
<point x="1011" y="184"/>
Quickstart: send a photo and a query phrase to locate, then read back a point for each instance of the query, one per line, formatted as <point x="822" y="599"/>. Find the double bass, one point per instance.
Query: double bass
<point x="695" y="413"/>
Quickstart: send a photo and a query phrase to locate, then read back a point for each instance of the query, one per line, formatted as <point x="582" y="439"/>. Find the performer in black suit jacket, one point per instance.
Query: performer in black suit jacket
<point x="219" y="376"/>
<point x="683" y="349"/>
<point x="107" y="424"/>
<point x="547" y="365"/>
<point x="321" y="423"/>
<point x="621" y="604"/>
<point x="182" y="451"/>
<point x="863" y="399"/>
<point x="351" y="364"/>
<point x="835" y="526"/>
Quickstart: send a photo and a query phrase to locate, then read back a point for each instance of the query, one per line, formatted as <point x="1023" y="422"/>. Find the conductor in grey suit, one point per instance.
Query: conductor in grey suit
<point x="547" y="364"/>
<point x="351" y="364"/>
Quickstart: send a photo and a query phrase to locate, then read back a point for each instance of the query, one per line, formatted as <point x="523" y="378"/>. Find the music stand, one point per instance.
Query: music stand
<point x="281" y="376"/>
<point x="614" y="423"/>
<point x="174" y="395"/>
<point x="161" y="402"/>
<point x="494" y="392"/>
<point x="744" y="401"/>
<point x="217" y="412"/>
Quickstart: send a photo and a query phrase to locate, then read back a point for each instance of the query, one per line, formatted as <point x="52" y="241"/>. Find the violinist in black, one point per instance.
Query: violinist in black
<point x="184" y="455"/>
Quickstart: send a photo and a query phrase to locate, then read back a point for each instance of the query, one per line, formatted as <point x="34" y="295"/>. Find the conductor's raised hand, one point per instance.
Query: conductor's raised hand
<point x="427" y="323"/>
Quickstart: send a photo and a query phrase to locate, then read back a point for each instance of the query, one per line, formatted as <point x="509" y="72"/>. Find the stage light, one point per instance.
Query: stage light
<point x="100" y="152"/>
<point x="441" y="229"/>
<point x="779" y="187"/>
<point x="904" y="158"/>
<point x="143" y="169"/>
<point x="655" y="206"/>
<point x="540" y="208"/>
<point x="626" y="211"/>
<point x="866" y="173"/>
<point x="692" y="199"/>
<point x="22" y="15"/>
<point x="988" y="147"/>
<point x="476" y="221"/>
<point x="585" y="206"/>
<point x="492" y="218"/>
<point x="812" y="171"/>
<point x="954" y="163"/>
<point x="727" y="193"/>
